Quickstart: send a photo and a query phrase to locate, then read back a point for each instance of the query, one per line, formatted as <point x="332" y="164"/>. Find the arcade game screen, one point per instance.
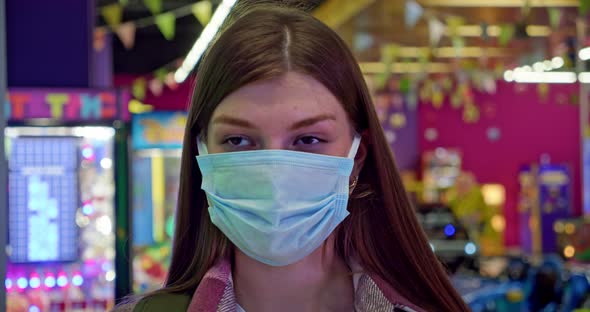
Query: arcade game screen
<point x="60" y="213"/>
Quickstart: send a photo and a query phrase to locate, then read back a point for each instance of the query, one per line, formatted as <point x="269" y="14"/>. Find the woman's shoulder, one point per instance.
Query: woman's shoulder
<point x="157" y="302"/>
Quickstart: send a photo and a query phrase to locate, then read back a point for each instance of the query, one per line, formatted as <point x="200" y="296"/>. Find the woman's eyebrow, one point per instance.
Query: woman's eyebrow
<point x="311" y="121"/>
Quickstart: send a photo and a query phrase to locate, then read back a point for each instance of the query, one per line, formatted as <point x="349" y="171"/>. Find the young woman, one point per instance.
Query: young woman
<point x="290" y="199"/>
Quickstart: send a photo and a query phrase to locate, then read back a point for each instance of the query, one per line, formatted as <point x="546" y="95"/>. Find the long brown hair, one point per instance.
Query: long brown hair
<point x="266" y="41"/>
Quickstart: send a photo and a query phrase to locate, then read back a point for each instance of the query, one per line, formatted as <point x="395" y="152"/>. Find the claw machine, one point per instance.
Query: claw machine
<point x="67" y="189"/>
<point x="156" y="151"/>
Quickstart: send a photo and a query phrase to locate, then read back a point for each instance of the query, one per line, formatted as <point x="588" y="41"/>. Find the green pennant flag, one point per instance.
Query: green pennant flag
<point x="160" y="74"/>
<point x="404" y="85"/>
<point x="554" y="17"/>
<point x="506" y="34"/>
<point x="138" y="88"/>
<point x="202" y="11"/>
<point x="167" y="24"/>
<point x="112" y="14"/>
<point x="584" y="6"/>
<point x="155" y="6"/>
<point x="458" y="44"/>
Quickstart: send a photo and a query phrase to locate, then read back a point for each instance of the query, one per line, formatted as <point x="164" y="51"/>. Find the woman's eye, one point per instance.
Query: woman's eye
<point x="237" y="141"/>
<point x="308" y="140"/>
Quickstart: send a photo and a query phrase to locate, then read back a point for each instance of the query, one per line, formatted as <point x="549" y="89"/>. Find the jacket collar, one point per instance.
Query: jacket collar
<point x="216" y="293"/>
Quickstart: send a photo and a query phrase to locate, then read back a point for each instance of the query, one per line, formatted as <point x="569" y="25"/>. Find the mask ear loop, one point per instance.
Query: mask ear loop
<point x="356" y="142"/>
<point x="201" y="147"/>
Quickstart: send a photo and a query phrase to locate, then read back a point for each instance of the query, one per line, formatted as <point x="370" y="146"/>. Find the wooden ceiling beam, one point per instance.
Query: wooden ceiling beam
<point x="499" y="3"/>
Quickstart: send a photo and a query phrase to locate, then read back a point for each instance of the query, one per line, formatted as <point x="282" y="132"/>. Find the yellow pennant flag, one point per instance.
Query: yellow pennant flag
<point x="202" y="11"/>
<point x="112" y="14"/>
<point x="167" y="24"/>
<point x="453" y="25"/>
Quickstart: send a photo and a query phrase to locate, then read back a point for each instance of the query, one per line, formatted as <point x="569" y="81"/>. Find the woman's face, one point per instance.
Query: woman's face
<point x="293" y="112"/>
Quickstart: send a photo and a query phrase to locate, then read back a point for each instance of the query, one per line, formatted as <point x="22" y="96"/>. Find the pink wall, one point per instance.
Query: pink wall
<point x="170" y="100"/>
<point x="529" y="127"/>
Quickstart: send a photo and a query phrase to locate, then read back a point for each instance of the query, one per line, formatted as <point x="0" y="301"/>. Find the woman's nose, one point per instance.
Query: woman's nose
<point x="273" y="143"/>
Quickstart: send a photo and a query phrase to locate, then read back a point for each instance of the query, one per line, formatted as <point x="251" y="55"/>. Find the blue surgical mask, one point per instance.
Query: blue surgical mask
<point x="276" y="206"/>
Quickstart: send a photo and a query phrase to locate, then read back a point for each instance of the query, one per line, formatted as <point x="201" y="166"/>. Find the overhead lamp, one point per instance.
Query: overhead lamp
<point x="204" y="39"/>
<point x="584" y="77"/>
<point x="545" y="77"/>
<point x="584" y="54"/>
<point x="509" y="75"/>
<point x="557" y="62"/>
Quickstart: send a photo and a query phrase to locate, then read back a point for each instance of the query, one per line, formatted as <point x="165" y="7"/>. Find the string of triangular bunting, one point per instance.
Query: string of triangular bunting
<point x="437" y="29"/>
<point x="165" y="21"/>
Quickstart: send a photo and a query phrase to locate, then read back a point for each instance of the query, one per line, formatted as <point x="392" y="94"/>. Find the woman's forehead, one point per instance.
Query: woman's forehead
<point x="290" y="97"/>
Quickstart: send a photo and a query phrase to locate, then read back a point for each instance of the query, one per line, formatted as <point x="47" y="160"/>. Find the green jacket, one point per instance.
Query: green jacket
<point x="163" y="302"/>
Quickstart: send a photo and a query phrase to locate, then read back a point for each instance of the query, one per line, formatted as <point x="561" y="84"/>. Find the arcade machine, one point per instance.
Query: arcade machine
<point x="66" y="155"/>
<point x="586" y="174"/>
<point x="545" y="197"/>
<point x="157" y="142"/>
<point x="441" y="168"/>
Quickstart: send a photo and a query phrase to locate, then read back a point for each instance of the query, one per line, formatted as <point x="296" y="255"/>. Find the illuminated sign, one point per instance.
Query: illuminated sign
<point x="163" y="130"/>
<point x="66" y="104"/>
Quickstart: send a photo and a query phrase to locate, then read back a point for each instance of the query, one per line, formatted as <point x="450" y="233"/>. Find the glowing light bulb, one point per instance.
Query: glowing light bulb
<point x="50" y="281"/>
<point x="557" y="62"/>
<point x="77" y="280"/>
<point x="62" y="281"/>
<point x="87" y="152"/>
<point x="106" y="163"/>
<point x="8" y="284"/>
<point x="110" y="276"/>
<point x="87" y="209"/>
<point x="35" y="282"/>
<point x="470" y="248"/>
<point x="22" y="283"/>
<point x="449" y="230"/>
<point x="569" y="251"/>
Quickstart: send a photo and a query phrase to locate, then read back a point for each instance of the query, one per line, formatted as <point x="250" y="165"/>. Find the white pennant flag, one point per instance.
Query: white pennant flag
<point x="156" y="86"/>
<point x="126" y="33"/>
<point x="436" y="29"/>
<point x="413" y="13"/>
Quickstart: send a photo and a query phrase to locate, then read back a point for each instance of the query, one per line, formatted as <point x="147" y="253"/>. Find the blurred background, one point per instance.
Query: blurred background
<point x="484" y="104"/>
